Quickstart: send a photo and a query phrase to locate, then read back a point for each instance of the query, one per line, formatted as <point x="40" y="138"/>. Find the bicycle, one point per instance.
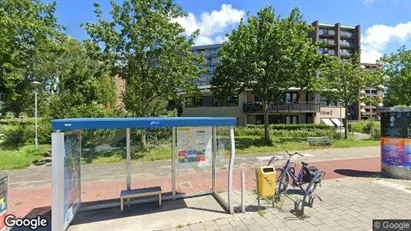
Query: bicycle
<point x="306" y="174"/>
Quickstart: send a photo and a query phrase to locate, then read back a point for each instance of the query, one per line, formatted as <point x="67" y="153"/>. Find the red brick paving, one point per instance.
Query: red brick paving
<point x="32" y="201"/>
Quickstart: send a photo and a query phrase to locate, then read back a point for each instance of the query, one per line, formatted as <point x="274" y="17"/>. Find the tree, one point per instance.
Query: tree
<point x="342" y="81"/>
<point x="397" y="68"/>
<point x="77" y="80"/>
<point x="28" y="31"/>
<point x="267" y="55"/>
<point x="150" y="51"/>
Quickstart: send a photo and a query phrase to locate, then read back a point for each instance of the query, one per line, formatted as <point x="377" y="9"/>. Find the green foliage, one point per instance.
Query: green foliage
<point x="342" y="80"/>
<point x="18" y="133"/>
<point x="268" y="54"/>
<point x="369" y="127"/>
<point x="397" y="69"/>
<point x="149" y="50"/>
<point x="292" y="126"/>
<point x="28" y="34"/>
<point x="22" y="157"/>
<point x="17" y="136"/>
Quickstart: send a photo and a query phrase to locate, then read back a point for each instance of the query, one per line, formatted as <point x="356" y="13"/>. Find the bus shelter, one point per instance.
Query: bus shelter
<point x="66" y="157"/>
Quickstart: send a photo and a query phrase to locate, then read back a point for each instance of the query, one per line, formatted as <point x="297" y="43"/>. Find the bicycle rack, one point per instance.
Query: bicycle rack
<point x="300" y="204"/>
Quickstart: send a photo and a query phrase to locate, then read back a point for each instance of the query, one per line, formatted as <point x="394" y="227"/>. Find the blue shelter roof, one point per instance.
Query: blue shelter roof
<point x="142" y="122"/>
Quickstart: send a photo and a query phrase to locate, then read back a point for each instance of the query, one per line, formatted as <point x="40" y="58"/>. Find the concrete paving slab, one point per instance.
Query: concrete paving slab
<point x="176" y="213"/>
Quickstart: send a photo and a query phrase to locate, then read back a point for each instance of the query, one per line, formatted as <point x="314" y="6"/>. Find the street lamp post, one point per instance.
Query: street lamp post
<point x="35" y="84"/>
<point x="341" y="118"/>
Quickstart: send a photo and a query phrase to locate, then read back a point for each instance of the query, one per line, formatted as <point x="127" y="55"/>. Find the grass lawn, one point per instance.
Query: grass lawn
<point x="23" y="157"/>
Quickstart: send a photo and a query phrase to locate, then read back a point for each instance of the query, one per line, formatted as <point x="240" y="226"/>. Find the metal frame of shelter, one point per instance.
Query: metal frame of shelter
<point x="63" y="127"/>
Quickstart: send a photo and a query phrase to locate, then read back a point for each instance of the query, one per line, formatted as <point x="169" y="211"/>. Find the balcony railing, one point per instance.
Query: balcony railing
<point x="346" y="34"/>
<point x="330" y="32"/>
<point x="293" y="107"/>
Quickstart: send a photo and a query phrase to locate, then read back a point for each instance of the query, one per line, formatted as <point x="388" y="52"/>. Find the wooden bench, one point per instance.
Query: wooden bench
<point x="319" y="140"/>
<point x="143" y="192"/>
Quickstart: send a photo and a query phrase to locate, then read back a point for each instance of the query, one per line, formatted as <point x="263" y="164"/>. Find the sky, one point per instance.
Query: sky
<point x="385" y="24"/>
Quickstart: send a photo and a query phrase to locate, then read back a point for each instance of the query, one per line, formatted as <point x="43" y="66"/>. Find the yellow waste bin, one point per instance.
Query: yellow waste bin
<point x="266" y="181"/>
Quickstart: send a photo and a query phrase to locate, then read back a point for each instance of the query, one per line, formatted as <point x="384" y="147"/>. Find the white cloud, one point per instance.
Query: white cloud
<point x="212" y="25"/>
<point x="378" y="37"/>
<point x="368" y="2"/>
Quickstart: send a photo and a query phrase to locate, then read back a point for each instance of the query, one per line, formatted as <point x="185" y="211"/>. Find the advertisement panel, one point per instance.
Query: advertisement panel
<point x="393" y="151"/>
<point x="3" y="199"/>
<point x="72" y="158"/>
<point x="194" y="147"/>
<point x="408" y="153"/>
<point x="395" y="124"/>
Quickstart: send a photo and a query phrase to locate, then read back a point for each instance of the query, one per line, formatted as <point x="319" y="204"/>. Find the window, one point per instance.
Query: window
<point x="217" y="102"/>
<point x="324" y="101"/>
<point x="323" y="50"/>
<point x="291" y="97"/>
<point x="259" y="119"/>
<point x="345" y="52"/>
<point x="199" y="101"/>
<point x="214" y="60"/>
<point x="213" y="52"/>
<point x="257" y="99"/>
<point x="345" y="42"/>
<point x="189" y="101"/>
<point x="232" y="101"/>
<point x="212" y="68"/>
<point x="327" y="32"/>
<point x="291" y="119"/>
<point x="207" y="101"/>
<point x="346" y="33"/>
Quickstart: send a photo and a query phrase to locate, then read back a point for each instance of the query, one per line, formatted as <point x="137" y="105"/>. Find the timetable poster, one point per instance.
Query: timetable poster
<point x="393" y="151"/>
<point x="194" y="147"/>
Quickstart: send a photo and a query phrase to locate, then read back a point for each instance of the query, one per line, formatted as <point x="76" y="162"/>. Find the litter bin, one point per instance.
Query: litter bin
<point x="266" y="181"/>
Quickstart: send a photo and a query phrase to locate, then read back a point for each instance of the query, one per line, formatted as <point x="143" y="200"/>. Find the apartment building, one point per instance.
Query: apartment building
<point x="372" y="97"/>
<point x="211" y="55"/>
<point x="342" y="41"/>
<point x="297" y="106"/>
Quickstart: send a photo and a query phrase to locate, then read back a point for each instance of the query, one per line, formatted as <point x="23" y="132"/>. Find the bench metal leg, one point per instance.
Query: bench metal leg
<point x="159" y="200"/>
<point x="121" y="204"/>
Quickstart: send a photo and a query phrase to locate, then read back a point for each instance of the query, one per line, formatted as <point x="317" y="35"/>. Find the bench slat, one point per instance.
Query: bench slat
<point x="153" y="190"/>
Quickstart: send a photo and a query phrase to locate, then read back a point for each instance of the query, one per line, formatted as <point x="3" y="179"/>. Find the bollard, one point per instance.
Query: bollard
<point x="243" y="191"/>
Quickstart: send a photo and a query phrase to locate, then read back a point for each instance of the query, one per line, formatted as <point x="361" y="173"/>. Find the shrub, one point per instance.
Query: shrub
<point x="285" y="132"/>
<point x="291" y="126"/>
<point x="16" y="136"/>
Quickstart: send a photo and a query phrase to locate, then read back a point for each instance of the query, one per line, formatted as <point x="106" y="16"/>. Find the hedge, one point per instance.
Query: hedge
<point x="291" y="126"/>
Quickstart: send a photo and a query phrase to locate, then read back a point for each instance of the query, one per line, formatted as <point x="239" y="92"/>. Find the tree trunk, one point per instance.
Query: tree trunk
<point x="346" y="122"/>
<point x="267" y="137"/>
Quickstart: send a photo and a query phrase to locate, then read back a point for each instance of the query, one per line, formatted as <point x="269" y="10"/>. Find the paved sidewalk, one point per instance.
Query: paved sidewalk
<point x="348" y="204"/>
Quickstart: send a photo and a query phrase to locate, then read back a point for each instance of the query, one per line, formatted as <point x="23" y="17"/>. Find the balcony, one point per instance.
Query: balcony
<point x="306" y="107"/>
<point x="345" y="52"/>
<point x="325" y="32"/>
<point x="345" y="43"/>
<point x="346" y="34"/>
